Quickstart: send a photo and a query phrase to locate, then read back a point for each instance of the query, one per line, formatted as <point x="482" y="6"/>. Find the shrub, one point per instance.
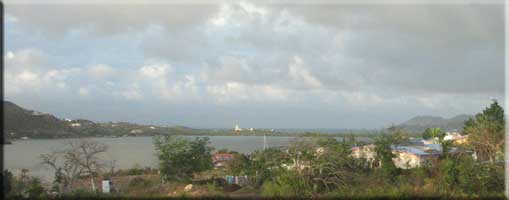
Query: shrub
<point x="139" y="182"/>
<point x="35" y="190"/>
<point x="287" y="184"/>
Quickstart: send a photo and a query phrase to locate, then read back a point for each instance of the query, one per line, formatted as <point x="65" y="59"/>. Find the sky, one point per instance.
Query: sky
<point x="258" y="65"/>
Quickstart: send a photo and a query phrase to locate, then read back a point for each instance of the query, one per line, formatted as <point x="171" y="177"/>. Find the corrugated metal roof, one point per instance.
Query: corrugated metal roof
<point x="417" y="150"/>
<point x="423" y="150"/>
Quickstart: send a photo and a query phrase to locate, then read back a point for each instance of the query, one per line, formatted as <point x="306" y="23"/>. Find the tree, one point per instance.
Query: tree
<point x="8" y="181"/>
<point x="438" y="133"/>
<point x="79" y="157"/>
<point x="486" y="132"/>
<point x="448" y="173"/>
<point x="180" y="158"/>
<point x="333" y="166"/>
<point x="300" y="153"/>
<point x="432" y="133"/>
<point x="238" y="165"/>
<point x="35" y="189"/>
<point x="265" y="164"/>
<point x="58" y="181"/>
<point x="85" y="153"/>
<point x="70" y="169"/>
<point x="383" y="152"/>
<point x="288" y="183"/>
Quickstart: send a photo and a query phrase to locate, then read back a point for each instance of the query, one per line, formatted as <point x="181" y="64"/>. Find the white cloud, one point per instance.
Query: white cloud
<point x="299" y="74"/>
<point x="28" y="76"/>
<point x="156" y="71"/>
<point x="236" y="92"/>
<point x="9" y="55"/>
<point x="101" y="71"/>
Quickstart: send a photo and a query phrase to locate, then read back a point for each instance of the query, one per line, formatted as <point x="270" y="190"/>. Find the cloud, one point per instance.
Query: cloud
<point x="101" y="71"/>
<point x="298" y="74"/>
<point x="107" y="19"/>
<point x="26" y="70"/>
<point x="156" y="71"/>
<point x="335" y="59"/>
<point x="240" y="93"/>
<point x="418" y="48"/>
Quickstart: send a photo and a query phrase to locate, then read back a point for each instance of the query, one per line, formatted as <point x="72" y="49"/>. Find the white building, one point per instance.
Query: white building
<point x="75" y="124"/>
<point x="136" y="131"/>
<point x="237" y="128"/>
<point x="406" y="156"/>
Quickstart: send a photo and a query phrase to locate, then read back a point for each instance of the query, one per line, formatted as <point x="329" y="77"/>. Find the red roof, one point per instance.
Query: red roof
<point x="222" y="157"/>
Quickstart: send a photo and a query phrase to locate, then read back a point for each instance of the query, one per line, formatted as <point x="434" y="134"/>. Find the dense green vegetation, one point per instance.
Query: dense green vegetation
<point x="324" y="167"/>
<point x="180" y="158"/>
<point x="486" y="133"/>
<point x="22" y="186"/>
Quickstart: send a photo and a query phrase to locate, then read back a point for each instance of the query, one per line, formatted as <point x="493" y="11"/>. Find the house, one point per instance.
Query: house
<point x="136" y="131"/>
<point x="319" y="151"/>
<point x="75" y="124"/>
<point x="415" y="156"/>
<point x="462" y="140"/>
<point x="407" y="156"/>
<point x="221" y="159"/>
<point x="456" y="137"/>
<point x="430" y="141"/>
<point x="367" y="152"/>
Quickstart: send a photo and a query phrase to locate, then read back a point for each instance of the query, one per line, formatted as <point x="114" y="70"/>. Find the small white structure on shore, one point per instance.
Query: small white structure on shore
<point x="106" y="186"/>
<point x="237" y="128"/>
<point x="75" y="124"/>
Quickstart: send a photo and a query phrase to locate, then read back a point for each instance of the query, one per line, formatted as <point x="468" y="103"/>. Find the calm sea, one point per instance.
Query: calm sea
<point x="127" y="152"/>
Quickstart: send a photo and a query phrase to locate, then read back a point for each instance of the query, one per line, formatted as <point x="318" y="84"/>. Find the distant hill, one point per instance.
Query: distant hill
<point x="22" y="122"/>
<point x="420" y="123"/>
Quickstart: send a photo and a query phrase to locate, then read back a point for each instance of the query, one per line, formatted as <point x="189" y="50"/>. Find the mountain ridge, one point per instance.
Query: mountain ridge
<point x="421" y="122"/>
<point x="20" y="122"/>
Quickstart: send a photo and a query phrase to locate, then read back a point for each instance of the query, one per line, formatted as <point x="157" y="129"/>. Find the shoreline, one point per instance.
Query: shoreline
<point x="11" y="140"/>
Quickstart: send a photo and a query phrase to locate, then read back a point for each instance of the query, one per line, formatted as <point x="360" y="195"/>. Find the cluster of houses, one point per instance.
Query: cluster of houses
<point x="416" y="152"/>
<point x="238" y="129"/>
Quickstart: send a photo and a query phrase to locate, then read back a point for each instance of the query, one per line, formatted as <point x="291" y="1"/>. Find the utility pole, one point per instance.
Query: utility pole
<point x="264" y="141"/>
